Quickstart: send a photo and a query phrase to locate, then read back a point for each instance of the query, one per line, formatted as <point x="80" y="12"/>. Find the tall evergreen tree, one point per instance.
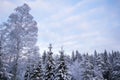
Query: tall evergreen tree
<point x="78" y="56"/>
<point x="99" y="67"/>
<point x="37" y="73"/>
<point x="87" y="69"/>
<point x="75" y="68"/>
<point x="62" y="70"/>
<point x="107" y="66"/>
<point x="116" y="67"/>
<point x="29" y="72"/>
<point x="50" y="66"/>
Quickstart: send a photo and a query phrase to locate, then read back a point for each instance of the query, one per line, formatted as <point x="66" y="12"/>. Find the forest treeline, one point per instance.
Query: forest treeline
<point x="20" y="58"/>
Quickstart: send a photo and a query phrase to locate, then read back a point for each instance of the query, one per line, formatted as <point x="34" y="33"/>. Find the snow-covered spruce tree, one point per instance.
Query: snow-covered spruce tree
<point x="50" y="66"/>
<point x="29" y="72"/>
<point x="95" y="55"/>
<point x="37" y="73"/>
<point x="61" y="69"/>
<point x="22" y="37"/>
<point x="75" y="68"/>
<point x="116" y="67"/>
<point x="87" y="67"/>
<point x="107" y="66"/>
<point x="98" y="67"/>
<point x="78" y="56"/>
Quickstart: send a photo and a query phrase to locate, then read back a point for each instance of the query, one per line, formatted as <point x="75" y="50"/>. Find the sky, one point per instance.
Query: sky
<point x="83" y="25"/>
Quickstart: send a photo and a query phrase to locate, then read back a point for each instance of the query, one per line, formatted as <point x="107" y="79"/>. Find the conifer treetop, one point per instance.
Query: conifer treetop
<point x="50" y="47"/>
<point x="61" y="51"/>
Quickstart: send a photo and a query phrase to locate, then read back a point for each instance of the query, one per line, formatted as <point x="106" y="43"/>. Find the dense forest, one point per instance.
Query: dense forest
<point x="20" y="58"/>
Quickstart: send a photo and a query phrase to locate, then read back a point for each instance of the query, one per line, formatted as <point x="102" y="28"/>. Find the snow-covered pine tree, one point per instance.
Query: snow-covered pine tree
<point x="107" y="66"/>
<point x="37" y="73"/>
<point x="87" y="69"/>
<point x="116" y="67"/>
<point x="95" y="55"/>
<point x="50" y="66"/>
<point x="29" y="72"/>
<point x="61" y="69"/>
<point x="78" y="56"/>
<point x="98" y="67"/>
<point x="22" y="37"/>
<point x="75" y="68"/>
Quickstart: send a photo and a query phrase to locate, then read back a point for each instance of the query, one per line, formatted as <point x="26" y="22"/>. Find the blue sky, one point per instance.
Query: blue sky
<point x="84" y="25"/>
